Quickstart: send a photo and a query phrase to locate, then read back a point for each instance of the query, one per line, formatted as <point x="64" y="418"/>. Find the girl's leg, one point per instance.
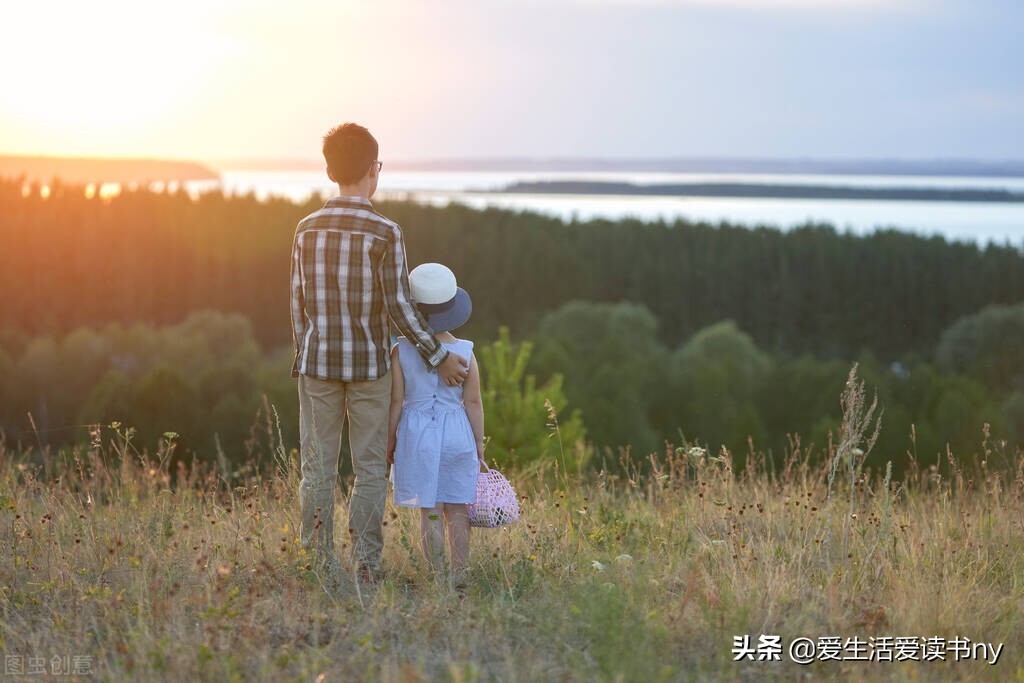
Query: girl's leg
<point x="432" y="530"/>
<point x="457" y="519"/>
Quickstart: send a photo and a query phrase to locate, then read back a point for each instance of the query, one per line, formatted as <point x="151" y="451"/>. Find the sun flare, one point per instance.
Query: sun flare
<point x="102" y="69"/>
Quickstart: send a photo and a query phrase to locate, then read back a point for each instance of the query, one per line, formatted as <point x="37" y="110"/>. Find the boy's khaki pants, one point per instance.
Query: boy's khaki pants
<point x="322" y="410"/>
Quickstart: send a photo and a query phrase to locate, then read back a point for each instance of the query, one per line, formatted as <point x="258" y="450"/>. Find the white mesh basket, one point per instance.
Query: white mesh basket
<point x="496" y="502"/>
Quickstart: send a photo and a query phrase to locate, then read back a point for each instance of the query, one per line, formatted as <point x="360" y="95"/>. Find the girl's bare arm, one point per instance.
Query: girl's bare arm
<point x="473" y="401"/>
<point x="397" y="398"/>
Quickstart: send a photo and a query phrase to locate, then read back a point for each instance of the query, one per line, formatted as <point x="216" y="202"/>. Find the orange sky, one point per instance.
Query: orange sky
<point x="198" y="78"/>
<point x="221" y="79"/>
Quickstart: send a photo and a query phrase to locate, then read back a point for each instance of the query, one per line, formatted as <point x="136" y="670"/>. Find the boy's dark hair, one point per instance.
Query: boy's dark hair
<point x="349" y="149"/>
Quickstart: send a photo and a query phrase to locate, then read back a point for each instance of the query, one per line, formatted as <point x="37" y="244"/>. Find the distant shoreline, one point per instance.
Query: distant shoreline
<point x="87" y="170"/>
<point x="890" y="167"/>
<point x="765" y="191"/>
<point x="140" y="170"/>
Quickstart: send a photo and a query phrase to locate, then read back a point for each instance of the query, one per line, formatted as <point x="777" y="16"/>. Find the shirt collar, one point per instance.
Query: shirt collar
<point x="348" y="200"/>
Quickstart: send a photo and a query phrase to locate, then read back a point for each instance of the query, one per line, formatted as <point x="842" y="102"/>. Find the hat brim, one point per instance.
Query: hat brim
<point x="449" y="315"/>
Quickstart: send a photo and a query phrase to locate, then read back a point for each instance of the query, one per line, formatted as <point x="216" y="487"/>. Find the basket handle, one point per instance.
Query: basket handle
<point x="480" y="455"/>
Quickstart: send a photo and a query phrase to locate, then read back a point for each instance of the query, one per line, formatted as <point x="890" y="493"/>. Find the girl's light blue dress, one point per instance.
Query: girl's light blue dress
<point x="435" y="452"/>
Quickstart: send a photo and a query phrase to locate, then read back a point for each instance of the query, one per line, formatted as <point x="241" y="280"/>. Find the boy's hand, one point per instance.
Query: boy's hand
<point x="454" y="370"/>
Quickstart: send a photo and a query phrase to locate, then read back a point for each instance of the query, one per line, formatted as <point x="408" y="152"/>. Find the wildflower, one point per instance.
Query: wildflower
<point x="95" y="436"/>
<point x="552" y="415"/>
<point x="598" y="566"/>
<point x="624" y="558"/>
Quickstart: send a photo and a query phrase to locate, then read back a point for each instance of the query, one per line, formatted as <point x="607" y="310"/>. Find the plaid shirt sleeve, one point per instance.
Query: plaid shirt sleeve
<point x="408" y="319"/>
<point x="298" y="303"/>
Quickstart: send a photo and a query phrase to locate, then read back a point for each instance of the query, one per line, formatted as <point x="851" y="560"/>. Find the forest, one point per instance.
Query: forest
<point x="168" y="314"/>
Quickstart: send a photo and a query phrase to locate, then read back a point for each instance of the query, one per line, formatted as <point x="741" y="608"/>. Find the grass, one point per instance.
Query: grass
<point x="156" y="574"/>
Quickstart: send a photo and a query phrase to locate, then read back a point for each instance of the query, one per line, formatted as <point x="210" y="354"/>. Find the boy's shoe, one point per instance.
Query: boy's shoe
<point x="328" y="569"/>
<point x="460" y="582"/>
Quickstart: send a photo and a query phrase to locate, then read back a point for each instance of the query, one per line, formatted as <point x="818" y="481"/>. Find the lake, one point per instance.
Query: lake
<point x="979" y="222"/>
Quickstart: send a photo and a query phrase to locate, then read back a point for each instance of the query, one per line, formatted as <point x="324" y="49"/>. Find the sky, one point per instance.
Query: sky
<point x="215" y="80"/>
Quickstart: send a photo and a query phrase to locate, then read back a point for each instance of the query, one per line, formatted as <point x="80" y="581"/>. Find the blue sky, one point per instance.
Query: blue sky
<point x="483" y="78"/>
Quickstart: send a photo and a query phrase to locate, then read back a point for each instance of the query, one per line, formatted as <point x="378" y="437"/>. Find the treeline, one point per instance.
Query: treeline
<point x="206" y="386"/>
<point x="155" y="257"/>
<point x="718" y="388"/>
<point x="652" y="332"/>
<point x="141" y="256"/>
<point x="593" y="383"/>
<point x="203" y="379"/>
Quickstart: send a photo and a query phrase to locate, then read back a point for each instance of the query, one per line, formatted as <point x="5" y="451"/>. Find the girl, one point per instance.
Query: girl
<point x="436" y="431"/>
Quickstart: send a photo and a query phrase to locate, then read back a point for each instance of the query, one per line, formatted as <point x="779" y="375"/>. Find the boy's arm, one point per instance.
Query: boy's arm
<point x="395" y="282"/>
<point x="298" y="303"/>
<point x="397" y="398"/>
<point x="472" y="399"/>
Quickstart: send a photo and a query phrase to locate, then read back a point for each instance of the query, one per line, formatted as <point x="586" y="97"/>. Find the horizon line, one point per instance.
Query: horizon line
<point x="934" y="166"/>
<point x="536" y="158"/>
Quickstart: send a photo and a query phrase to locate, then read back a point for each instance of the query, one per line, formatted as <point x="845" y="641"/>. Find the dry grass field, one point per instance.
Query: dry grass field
<point x="117" y="567"/>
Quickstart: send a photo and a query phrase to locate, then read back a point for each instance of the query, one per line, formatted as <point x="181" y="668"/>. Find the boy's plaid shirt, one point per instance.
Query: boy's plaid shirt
<point x="349" y="275"/>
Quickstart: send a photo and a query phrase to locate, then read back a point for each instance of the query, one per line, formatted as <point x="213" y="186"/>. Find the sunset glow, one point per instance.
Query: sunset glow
<point x="101" y="73"/>
<point x="104" y="78"/>
<point x="235" y="79"/>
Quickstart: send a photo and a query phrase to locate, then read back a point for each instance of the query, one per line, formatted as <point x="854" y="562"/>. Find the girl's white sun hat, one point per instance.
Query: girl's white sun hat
<point x="443" y="303"/>
<point x="432" y="283"/>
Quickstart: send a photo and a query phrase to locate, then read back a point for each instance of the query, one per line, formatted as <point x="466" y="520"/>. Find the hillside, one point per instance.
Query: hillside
<point x="689" y="573"/>
<point x="89" y="170"/>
